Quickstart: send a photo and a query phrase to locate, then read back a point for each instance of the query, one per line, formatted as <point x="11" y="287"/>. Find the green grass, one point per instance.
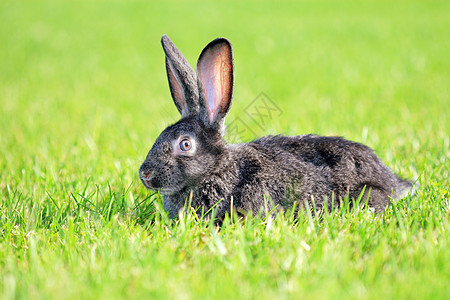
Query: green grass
<point x="83" y="95"/>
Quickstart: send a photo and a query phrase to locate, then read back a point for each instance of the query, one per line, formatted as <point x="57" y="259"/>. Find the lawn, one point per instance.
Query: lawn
<point x="84" y="94"/>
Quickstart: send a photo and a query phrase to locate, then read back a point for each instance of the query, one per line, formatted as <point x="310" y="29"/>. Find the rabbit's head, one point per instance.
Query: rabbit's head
<point x="193" y="147"/>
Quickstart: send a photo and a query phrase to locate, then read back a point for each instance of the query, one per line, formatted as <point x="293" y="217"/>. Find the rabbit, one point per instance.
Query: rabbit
<point x="190" y="160"/>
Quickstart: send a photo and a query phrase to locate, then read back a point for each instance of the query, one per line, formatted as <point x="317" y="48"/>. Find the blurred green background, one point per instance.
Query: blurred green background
<point x="83" y="86"/>
<point x="84" y="94"/>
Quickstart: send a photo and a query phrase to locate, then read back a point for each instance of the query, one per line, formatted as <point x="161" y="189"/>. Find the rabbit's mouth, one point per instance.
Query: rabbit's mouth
<point x="159" y="182"/>
<point x="146" y="181"/>
<point x="166" y="191"/>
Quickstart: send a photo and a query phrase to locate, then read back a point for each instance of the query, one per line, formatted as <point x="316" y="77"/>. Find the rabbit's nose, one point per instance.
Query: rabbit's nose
<point x="145" y="173"/>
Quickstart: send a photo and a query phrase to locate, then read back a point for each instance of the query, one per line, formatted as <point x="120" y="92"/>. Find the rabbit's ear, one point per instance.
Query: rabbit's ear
<point x="182" y="79"/>
<point x="216" y="80"/>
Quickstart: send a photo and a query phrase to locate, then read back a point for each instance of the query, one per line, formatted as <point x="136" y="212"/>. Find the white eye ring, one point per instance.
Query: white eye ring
<point x="184" y="146"/>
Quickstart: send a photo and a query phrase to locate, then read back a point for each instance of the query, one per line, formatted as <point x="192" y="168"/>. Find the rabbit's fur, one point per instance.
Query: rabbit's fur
<point x="190" y="160"/>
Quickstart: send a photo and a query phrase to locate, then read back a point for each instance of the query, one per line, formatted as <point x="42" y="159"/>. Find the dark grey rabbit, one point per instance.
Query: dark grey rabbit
<point x="190" y="160"/>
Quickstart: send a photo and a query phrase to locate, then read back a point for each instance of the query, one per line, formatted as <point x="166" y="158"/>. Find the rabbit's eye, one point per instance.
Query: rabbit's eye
<point x="185" y="145"/>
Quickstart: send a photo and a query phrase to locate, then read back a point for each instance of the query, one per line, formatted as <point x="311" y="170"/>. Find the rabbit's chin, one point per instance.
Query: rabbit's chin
<point x="169" y="191"/>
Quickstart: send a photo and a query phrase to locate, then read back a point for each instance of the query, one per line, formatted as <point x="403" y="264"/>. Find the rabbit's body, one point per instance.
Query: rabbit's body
<point x="190" y="161"/>
<point x="278" y="170"/>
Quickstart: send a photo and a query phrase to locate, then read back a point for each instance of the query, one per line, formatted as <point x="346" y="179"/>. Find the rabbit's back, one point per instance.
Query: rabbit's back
<point x="319" y="168"/>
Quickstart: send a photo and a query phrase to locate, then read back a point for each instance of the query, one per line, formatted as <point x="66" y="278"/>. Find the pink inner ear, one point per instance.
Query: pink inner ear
<point x="213" y="87"/>
<point x="214" y="70"/>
